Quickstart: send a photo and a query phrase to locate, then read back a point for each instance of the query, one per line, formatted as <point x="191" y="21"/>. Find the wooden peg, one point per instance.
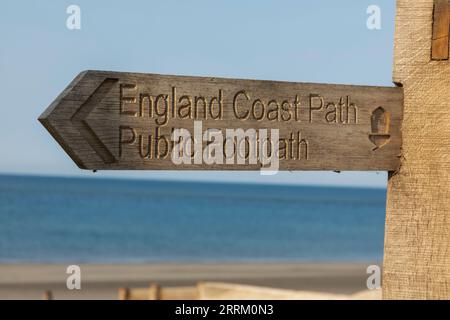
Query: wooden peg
<point x="441" y="26"/>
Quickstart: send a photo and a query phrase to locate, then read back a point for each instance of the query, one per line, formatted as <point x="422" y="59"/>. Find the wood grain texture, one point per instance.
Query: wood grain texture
<point x="112" y="120"/>
<point x="417" y="235"/>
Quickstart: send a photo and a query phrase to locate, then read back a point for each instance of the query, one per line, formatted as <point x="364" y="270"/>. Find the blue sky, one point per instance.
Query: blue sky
<point x="324" y="41"/>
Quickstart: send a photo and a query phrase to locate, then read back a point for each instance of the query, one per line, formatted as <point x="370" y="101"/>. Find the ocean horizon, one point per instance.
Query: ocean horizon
<point x="48" y="219"/>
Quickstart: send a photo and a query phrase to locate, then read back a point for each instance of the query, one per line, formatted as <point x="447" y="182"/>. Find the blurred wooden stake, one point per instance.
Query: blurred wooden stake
<point x="47" y="295"/>
<point x="124" y="294"/>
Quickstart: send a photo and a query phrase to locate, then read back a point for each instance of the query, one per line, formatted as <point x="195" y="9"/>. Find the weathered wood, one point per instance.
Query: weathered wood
<point x="417" y="236"/>
<point x="441" y="26"/>
<point x="111" y="120"/>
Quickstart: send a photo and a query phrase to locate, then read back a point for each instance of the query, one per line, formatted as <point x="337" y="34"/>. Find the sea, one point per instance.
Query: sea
<point x="100" y="220"/>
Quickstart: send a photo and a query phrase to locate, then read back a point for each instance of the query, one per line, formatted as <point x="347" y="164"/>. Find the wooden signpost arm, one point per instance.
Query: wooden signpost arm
<point x="417" y="236"/>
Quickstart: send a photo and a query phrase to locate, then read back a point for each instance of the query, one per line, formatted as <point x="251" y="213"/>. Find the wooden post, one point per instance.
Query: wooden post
<point x="417" y="236"/>
<point x="124" y="294"/>
<point x="154" y="292"/>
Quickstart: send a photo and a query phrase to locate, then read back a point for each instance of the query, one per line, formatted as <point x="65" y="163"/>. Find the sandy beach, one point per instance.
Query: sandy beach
<point x="101" y="281"/>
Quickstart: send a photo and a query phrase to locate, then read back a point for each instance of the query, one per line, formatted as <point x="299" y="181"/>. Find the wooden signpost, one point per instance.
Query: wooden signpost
<point x="110" y="120"/>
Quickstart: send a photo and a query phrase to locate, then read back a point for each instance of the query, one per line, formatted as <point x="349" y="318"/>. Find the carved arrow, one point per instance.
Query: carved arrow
<point x="66" y="119"/>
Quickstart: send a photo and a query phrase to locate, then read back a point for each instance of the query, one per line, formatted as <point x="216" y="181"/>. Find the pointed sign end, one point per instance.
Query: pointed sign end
<point x="58" y="115"/>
